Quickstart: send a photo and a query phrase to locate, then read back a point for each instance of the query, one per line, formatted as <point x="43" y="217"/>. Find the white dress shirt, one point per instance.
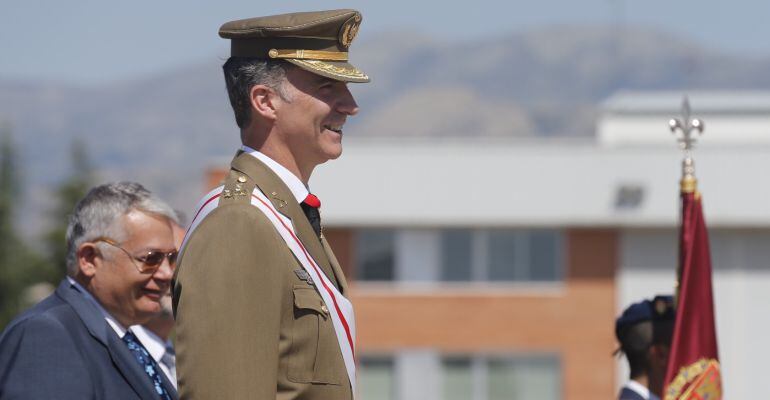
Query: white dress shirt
<point x="296" y="186"/>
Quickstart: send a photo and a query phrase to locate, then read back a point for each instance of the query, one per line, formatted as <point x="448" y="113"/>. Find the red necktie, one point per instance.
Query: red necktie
<point x="312" y="201"/>
<point x="310" y="207"/>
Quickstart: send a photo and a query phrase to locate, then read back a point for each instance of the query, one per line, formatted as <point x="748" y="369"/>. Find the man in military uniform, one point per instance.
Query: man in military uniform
<point x="644" y="331"/>
<point x="259" y="297"/>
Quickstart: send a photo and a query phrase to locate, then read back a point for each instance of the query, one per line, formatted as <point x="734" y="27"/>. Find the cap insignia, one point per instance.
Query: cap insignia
<point x="349" y="30"/>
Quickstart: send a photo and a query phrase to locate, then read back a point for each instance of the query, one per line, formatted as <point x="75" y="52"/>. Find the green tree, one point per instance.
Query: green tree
<point x="67" y="194"/>
<point x="8" y="188"/>
<point x="20" y="267"/>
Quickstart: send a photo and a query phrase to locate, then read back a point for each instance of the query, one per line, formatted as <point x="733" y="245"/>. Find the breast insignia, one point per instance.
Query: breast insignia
<point x="304" y="275"/>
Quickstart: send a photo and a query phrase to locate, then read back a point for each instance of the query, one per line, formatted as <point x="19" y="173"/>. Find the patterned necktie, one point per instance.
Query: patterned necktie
<point x="310" y="206"/>
<point x="148" y="364"/>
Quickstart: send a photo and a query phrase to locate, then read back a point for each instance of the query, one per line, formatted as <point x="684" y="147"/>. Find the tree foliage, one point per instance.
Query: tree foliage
<point x="23" y="267"/>
<point x="67" y="194"/>
<point x="20" y="267"/>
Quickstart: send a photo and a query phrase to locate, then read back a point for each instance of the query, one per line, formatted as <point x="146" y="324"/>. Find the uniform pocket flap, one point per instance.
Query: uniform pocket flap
<point x="307" y="298"/>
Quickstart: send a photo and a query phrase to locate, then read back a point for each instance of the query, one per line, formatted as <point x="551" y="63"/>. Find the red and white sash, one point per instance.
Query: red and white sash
<point x="340" y="308"/>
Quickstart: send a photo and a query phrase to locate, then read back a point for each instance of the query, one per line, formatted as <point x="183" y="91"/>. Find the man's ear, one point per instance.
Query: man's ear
<point x="263" y="101"/>
<point x="88" y="259"/>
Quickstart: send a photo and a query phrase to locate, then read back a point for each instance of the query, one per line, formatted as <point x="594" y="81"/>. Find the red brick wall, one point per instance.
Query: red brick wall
<point x="575" y="320"/>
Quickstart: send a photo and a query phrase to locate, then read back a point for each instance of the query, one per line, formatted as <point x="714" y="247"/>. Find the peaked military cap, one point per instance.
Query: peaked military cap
<point x="314" y="41"/>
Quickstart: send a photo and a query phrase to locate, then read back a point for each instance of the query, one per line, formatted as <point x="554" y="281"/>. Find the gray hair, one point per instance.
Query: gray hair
<point x="96" y="215"/>
<point x="241" y="74"/>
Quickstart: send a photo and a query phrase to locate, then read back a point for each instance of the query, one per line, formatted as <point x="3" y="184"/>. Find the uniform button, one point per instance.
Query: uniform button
<point x="242" y="179"/>
<point x="324" y="309"/>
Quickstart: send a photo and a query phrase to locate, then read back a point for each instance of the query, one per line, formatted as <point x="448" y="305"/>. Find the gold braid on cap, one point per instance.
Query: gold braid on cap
<point x="334" y="70"/>
<point x="309" y="55"/>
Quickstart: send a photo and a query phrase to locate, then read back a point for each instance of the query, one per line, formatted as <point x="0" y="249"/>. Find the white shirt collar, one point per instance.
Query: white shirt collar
<point x="152" y="342"/>
<point x="296" y="186"/>
<point x="637" y="387"/>
<point x="111" y="321"/>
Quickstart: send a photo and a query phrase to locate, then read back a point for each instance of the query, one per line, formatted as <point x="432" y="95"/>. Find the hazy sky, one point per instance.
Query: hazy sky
<point x="97" y="41"/>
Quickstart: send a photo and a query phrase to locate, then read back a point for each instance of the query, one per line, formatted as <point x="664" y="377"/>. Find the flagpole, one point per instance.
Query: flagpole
<point x="693" y="370"/>
<point x="685" y="130"/>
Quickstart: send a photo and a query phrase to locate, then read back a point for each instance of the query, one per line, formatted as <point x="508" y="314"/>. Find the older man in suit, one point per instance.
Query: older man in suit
<point x="76" y="344"/>
<point x="155" y="334"/>
<point x="260" y="299"/>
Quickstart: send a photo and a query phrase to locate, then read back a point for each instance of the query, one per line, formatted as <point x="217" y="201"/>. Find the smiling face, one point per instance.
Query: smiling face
<point x="310" y="119"/>
<point x="128" y="295"/>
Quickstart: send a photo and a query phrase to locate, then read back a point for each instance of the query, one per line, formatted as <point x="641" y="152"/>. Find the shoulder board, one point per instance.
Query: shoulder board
<point x="237" y="188"/>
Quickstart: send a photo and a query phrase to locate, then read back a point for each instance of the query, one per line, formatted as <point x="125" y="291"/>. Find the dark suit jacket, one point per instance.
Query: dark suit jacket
<point x="64" y="349"/>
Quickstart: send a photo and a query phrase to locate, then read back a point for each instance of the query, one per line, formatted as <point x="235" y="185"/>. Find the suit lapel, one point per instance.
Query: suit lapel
<point x="88" y="313"/>
<point x="124" y="361"/>
<point x="127" y="364"/>
<point x="285" y="202"/>
<point x="169" y="387"/>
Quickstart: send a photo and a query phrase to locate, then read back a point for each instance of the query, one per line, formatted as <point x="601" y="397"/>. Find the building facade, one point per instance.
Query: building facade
<point x="494" y="269"/>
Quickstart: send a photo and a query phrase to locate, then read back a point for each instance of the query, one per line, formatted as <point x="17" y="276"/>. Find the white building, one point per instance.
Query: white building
<point x="491" y="269"/>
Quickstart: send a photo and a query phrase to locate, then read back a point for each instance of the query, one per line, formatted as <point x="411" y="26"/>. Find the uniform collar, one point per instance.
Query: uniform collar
<point x="111" y="321"/>
<point x="294" y="184"/>
<point x="639" y="389"/>
<point x="285" y="203"/>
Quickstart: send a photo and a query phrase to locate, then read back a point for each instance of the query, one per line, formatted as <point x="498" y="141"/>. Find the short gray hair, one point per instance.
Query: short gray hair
<point x="96" y="215"/>
<point x="241" y="74"/>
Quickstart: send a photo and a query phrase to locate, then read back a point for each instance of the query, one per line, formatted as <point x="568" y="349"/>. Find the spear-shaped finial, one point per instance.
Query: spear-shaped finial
<point x="684" y="128"/>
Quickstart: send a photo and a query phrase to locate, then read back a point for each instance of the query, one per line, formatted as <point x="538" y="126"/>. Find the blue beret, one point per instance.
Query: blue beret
<point x="659" y="309"/>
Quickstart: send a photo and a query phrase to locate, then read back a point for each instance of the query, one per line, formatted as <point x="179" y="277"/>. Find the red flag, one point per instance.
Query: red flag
<point x="693" y="367"/>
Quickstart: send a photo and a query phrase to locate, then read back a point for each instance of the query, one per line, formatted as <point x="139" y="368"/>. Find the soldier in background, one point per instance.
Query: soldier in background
<point x="644" y="331"/>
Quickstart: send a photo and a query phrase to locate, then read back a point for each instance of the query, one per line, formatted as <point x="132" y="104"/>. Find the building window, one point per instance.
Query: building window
<point x="502" y="255"/>
<point x="375" y="378"/>
<point x="456" y="249"/>
<point x="375" y="255"/>
<point x="457" y="378"/>
<point x="505" y="251"/>
<point x="546" y="252"/>
<point x="501" y="378"/>
<point x="459" y="255"/>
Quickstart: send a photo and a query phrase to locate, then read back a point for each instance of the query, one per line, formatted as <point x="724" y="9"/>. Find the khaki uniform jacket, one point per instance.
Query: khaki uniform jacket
<point x="247" y="326"/>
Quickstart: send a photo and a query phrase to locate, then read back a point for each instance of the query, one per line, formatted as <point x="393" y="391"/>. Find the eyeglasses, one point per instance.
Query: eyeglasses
<point x="151" y="260"/>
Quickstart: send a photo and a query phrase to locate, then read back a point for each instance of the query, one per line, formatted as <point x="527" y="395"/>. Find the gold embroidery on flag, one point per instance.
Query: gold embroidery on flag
<point x="699" y="380"/>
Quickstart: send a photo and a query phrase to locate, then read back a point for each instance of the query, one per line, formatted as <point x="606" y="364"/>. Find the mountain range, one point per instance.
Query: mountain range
<point x="166" y="129"/>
